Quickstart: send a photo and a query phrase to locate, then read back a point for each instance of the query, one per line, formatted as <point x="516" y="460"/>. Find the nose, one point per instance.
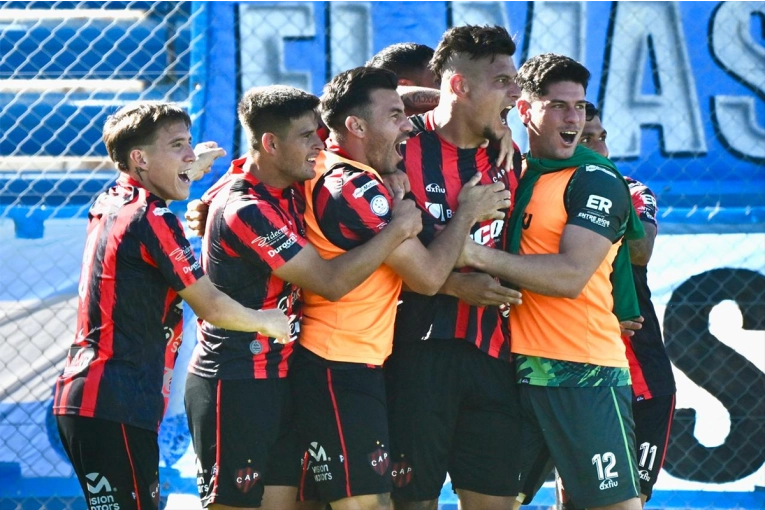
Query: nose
<point x="574" y="115"/>
<point x="190" y="156"/>
<point x="406" y="126"/>
<point x="316" y="142"/>
<point x="513" y="91"/>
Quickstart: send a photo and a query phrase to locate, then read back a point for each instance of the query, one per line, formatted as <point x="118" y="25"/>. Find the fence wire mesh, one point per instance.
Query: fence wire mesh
<point x="681" y="87"/>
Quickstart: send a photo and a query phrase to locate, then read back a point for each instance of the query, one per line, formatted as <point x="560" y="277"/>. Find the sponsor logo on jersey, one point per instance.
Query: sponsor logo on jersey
<point x="286" y="244"/>
<point x="159" y="211"/>
<point x="79" y="361"/>
<point x="379" y="205"/>
<point x="599" y="203"/>
<point x="598" y="168"/>
<point x="594" y="219"/>
<point x="434" y="187"/>
<point x="486" y="234"/>
<point x="180" y="254"/>
<point x="608" y="483"/>
<point x="366" y="187"/>
<point x="271" y="238"/>
<point x="256" y="347"/>
<point x="438" y="211"/>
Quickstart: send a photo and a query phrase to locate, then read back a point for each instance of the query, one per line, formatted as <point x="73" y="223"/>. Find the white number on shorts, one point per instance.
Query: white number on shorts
<point x="645" y="449"/>
<point x="609" y="459"/>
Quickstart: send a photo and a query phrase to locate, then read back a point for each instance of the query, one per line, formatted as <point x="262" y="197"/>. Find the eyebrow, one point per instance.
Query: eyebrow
<point x="179" y="139"/>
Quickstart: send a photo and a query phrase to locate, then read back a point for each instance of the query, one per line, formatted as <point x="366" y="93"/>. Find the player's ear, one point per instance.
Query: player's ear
<point x="524" y="110"/>
<point x="458" y="84"/>
<point x="356" y="126"/>
<point x="138" y="158"/>
<point x="268" y="143"/>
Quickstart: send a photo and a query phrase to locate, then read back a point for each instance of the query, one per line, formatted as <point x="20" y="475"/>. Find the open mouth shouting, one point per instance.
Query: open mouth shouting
<point x="184" y="176"/>
<point x="569" y="137"/>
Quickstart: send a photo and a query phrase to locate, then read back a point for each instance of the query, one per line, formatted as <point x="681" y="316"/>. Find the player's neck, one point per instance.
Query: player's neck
<point x="452" y="125"/>
<point x="264" y="171"/>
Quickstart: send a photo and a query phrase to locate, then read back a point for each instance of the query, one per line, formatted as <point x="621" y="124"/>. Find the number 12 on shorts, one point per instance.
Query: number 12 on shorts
<point x="605" y="464"/>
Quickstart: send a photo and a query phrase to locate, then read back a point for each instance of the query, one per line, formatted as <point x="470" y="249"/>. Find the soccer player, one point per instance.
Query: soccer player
<point x="409" y="61"/>
<point x="137" y="266"/>
<point x="337" y="373"/>
<point x="571" y="212"/>
<point x="255" y="250"/>
<point x="416" y="82"/>
<point x="653" y="384"/>
<point x="453" y="397"/>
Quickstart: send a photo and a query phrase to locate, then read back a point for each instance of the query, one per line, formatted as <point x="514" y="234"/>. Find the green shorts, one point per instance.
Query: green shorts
<point x="587" y="434"/>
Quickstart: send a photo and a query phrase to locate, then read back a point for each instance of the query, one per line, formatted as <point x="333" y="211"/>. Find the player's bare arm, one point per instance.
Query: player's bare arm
<point x="333" y="279"/>
<point x="479" y="289"/>
<point x="424" y="270"/>
<point x="562" y="274"/>
<point x="219" y="309"/>
<point x="642" y="249"/>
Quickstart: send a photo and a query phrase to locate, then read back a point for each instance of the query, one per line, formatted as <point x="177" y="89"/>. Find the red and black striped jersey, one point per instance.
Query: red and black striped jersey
<point x="650" y="367"/>
<point x="437" y="170"/>
<point x="129" y="314"/>
<point x="252" y="229"/>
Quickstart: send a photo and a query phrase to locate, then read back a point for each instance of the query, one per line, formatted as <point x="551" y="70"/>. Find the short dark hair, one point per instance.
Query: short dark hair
<point x="348" y="93"/>
<point x="137" y="124"/>
<point x="538" y="73"/>
<point x="270" y="109"/>
<point x="472" y="40"/>
<point x="405" y="59"/>
<point x="590" y="111"/>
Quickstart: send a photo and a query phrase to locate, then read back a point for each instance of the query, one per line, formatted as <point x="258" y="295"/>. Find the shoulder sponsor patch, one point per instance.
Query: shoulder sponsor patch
<point x="379" y="205"/>
<point x="360" y="192"/>
<point x="159" y="211"/>
<point x="598" y="168"/>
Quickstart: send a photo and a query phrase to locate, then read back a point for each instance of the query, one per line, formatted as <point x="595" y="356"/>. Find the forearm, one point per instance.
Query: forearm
<point x="550" y="274"/>
<point x="348" y="271"/>
<point x="222" y="311"/>
<point x="442" y="255"/>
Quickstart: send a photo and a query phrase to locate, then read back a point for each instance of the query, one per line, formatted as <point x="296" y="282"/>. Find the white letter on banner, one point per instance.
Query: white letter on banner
<point x="558" y="27"/>
<point x="479" y="13"/>
<point x="674" y="107"/>
<point x="739" y="55"/>
<point x="262" y="30"/>
<point x="350" y="35"/>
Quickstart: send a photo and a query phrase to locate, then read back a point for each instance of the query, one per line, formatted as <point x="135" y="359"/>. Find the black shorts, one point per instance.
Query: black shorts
<point x="588" y="434"/>
<point x="653" y="421"/>
<point x="244" y="437"/>
<point x="342" y="428"/>
<point x="452" y="408"/>
<point x="117" y="464"/>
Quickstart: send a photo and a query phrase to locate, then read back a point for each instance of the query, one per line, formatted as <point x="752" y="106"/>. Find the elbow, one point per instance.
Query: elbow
<point x="213" y="312"/>
<point x="333" y="293"/>
<point x="571" y="288"/>
<point x="425" y="287"/>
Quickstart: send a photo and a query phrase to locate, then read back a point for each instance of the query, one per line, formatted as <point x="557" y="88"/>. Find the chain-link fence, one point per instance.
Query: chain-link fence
<point x="682" y="92"/>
